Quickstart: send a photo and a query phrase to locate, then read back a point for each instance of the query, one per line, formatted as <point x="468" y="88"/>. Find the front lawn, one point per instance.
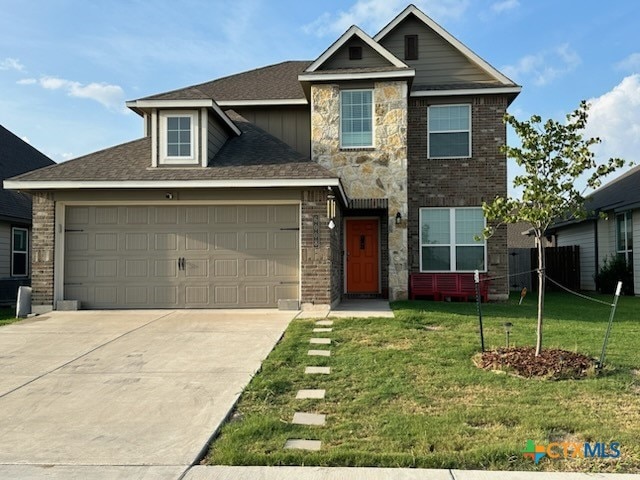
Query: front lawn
<point x="7" y="316"/>
<point x="404" y="392"/>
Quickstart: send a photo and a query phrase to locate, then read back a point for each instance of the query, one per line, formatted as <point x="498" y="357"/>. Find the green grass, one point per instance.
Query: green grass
<point x="7" y="316"/>
<point x="404" y="392"/>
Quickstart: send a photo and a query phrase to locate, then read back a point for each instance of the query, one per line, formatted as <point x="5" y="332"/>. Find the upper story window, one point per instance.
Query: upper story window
<point x="624" y="237"/>
<point x="356" y="118"/>
<point x="447" y="240"/>
<point x="411" y="47"/>
<point x="449" y="129"/>
<point x="178" y="138"/>
<point x="19" y="252"/>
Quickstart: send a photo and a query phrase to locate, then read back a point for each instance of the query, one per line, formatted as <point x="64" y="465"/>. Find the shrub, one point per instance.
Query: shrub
<point x="613" y="270"/>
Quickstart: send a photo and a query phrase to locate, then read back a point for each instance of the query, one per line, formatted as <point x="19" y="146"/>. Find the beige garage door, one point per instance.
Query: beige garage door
<point x="213" y="256"/>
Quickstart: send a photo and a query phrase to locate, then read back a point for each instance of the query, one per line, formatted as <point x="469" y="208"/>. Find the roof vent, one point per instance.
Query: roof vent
<point x="355" y="53"/>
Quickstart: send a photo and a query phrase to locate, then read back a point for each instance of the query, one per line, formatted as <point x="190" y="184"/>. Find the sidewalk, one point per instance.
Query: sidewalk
<point x="334" y="473"/>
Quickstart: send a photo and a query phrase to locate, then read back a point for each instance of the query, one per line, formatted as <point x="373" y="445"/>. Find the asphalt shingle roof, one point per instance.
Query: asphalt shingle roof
<point x="17" y="157"/>
<point x="620" y="192"/>
<point x="253" y="155"/>
<point x="273" y="82"/>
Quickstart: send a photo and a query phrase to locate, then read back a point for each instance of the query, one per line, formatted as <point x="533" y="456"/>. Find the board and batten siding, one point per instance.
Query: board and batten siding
<point x="5" y="250"/>
<point x="340" y="59"/>
<point x="292" y="125"/>
<point x="583" y="236"/>
<point x="438" y="63"/>
<point x="216" y="137"/>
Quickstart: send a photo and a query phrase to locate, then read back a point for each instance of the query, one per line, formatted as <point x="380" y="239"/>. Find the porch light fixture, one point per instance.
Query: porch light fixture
<point x="507" y="330"/>
<point x="398" y="218"/>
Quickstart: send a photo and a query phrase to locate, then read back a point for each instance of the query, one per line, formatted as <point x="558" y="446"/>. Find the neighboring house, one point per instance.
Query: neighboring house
<point x="599" y="238"/>
<point x="305" y="181"/>
<point x="16" y="157"/>
<point x="520" y="235"/>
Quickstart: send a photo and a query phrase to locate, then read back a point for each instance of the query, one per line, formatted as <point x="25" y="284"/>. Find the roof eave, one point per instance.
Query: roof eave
<point x="326" y="77"/>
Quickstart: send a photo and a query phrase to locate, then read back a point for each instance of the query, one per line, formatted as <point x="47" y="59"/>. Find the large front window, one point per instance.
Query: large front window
<point x="447" y="240"/>
<point x="624" y="237"/>
<point x="356" y="118"/>
<point x="19" y="252"/>
<point x="449" y="131"/>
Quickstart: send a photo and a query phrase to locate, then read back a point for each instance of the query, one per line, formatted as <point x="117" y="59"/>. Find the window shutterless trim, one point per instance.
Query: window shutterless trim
<point x="429" y="132"/>
<point x="164" y="158"/>
<point x="452" y="243"/>
<point x="20" y="252"/>
<point x="373" y="127"/>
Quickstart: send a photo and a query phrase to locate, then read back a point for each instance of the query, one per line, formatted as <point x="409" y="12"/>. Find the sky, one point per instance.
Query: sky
<point x="68" y="66"/>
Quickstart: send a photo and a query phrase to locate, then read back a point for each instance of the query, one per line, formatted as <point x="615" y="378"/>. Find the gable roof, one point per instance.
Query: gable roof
<point x="253" y="159"/>
<point x="621" y="193"/>
<point x="457" y="44"/>
<point x="344" y="38"/>
<point x="17" y="157"/>
<point x="271" y="85"/>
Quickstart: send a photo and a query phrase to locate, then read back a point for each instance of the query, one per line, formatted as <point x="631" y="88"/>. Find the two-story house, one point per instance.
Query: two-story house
<point x="297" y="183"/>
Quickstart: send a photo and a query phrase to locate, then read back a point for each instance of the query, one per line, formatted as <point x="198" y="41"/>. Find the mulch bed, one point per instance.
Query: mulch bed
<point x="552" y="363"/>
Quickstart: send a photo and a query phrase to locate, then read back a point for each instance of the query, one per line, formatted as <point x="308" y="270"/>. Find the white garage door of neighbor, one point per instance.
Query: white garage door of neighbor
<point x="192" y="256"/>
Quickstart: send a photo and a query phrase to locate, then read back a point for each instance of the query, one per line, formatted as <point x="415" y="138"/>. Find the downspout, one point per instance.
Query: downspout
<point x="597" y="250"/>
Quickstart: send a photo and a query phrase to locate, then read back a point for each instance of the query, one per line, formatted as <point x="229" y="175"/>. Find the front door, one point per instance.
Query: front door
<point x="362" y="256"/>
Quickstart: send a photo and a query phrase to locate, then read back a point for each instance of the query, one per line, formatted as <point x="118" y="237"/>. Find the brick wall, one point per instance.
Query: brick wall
<point x="42" y="250"/>
<point x="320" y="274"/>
<point x="459" y="182"/>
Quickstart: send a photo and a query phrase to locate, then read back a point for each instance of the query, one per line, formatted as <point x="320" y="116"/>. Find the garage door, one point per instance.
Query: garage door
<point x="193" y="256"/>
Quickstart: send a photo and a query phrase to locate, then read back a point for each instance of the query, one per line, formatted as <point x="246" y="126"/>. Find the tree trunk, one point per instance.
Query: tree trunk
<point x="541" y="273"/>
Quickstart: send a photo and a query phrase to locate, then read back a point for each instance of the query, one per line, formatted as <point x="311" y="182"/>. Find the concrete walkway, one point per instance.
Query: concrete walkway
<point x="353" y="308"/>
<point x="119" y="389"/>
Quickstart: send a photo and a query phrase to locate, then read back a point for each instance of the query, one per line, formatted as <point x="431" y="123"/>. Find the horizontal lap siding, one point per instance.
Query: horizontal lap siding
<point x="583" y="236"/>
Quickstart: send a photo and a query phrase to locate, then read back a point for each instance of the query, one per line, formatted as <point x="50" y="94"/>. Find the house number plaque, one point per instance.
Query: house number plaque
<point x="316" y="231"/>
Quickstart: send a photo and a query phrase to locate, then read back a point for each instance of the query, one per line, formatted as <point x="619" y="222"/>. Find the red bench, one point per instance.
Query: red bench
<point x="442" y="285"/>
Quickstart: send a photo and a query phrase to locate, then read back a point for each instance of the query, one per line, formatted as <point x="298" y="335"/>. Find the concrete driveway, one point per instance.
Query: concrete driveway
<point x="125" y="388"/>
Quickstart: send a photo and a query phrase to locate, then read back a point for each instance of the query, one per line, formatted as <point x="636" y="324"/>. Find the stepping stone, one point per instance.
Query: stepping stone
<point x="322" y="330"/>
<point x="320" y="341"/>
<point x="324" y="323"/>
<point x="303" y="444"/>
<point x="319" y="353"/>
<point x="317" y="370"/>
<point x="303" y="394"/>
<point x="300" y="418"/>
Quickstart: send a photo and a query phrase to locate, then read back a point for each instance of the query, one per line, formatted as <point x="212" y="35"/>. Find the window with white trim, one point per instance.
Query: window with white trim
<point x="178" y="138"/>
<point x="624" y="237"/>
<point x="19" y="252"/>
<point x="356" y="118"/>
<point x="447" y="240"/>
<point x="449" y="131"/>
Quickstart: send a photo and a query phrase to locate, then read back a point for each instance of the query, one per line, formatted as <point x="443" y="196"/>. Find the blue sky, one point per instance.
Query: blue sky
<point x="68" y="66"/>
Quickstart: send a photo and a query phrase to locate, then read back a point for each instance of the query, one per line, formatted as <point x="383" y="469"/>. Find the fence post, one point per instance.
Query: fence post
<point x="606" y="336"/>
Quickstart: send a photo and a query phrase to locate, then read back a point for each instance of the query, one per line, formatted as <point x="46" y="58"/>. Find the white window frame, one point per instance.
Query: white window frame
<point x="373" y="116"/>
<point x="448" y="131"/>
<point x="192" y="159"/>
<point x="25" y="252"/>
<point x="452" y="236"/>
<point x="627" y="218"/>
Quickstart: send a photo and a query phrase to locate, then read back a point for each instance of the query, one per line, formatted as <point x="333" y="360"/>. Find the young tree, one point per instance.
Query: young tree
<point x="554" y="155"/>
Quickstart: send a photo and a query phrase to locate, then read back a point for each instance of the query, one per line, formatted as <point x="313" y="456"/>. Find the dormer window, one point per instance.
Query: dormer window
<point x="178" y="138"/>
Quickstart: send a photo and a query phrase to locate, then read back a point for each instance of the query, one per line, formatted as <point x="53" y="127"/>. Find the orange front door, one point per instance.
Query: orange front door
<point x="362" y="256"/>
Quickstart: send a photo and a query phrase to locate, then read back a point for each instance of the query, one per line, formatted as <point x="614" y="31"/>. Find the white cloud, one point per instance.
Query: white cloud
<point x="630" y="64"/>
<point x="544" y="67"/>
<point x="11" y="64"/>
<point x="504" y="5"/>
<point x="27" y="81"/>
<point x="615" y="118"/>
<point x="110" y="96"/>
<point x="372" y="15"/>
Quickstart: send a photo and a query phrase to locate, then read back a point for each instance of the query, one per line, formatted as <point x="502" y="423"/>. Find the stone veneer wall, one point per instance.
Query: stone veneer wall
<point x="320" y="277"/>
<point x="378" y="172"/>
<point x="42" y="251"/>
<point x="460" y="182"/>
